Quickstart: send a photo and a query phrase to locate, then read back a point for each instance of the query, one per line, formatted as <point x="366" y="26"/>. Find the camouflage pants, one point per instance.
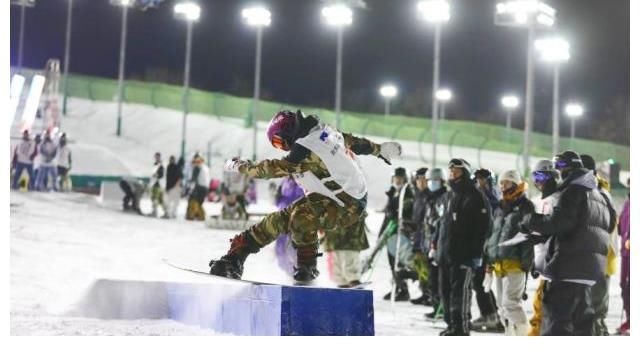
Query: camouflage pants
<point x="305" y="217"/>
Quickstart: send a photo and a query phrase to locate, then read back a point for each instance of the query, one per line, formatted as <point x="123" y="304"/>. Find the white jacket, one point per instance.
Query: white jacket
<point x="24" y="150"/>
<point x="64" y="156"/>
<point x="543" y="206"/>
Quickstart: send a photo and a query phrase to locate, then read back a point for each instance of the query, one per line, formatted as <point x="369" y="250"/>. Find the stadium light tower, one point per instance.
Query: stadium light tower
<point x="436" y="12"/>
<point x="23" y="12"/>
<point x="124" y="4"/>
<point x="555" y="51"/>
<point x="338" y="16"/>
<point x="510" y="103"/>
<point x="574" y="111"/>
<point x="188" y="11"/>
<point x="67" y="54"/>
<point x="443" y="96"/>
<point x="531" y="15"/>
<point x="258" y="17"/>
<point x="388" y="92"/>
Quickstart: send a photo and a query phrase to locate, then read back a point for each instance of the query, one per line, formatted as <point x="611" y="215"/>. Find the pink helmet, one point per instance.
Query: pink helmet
<point x="282" y="129"/>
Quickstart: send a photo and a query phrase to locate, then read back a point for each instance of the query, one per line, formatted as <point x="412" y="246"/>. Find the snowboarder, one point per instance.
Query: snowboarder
<point x="156" y="182"/>
<point x="173" y="187"/>
<point x="48" y="151"/>
<point x="199" y="187"/>
<point x="322" y="160"/>
<point x="64" y="164"/>
<point x="510" y="264"/>
<point x="23" y="156"/>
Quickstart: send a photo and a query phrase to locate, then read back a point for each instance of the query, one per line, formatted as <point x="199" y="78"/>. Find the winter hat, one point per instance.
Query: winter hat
<point x="483" y="173"/>
<point x="511" y="176"/>
<point x="421" y="172"/>
<point x="588" y="162"/>
<point x="400" y="172"/>
<point x="435" y="174"/>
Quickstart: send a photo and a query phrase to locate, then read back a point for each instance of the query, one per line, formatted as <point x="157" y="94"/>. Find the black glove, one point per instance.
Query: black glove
<point x="535" y="274"/>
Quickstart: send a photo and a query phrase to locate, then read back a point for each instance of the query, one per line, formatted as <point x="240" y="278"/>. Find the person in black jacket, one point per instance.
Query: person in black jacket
<point x="467" y="223"/>
<point x="577" y="250"/>
<point x="488" y="321"/>
<point x="174" y="186"/>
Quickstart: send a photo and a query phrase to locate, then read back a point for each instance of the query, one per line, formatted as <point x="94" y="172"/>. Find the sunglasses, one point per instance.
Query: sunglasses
<point x="279" y="143"/>
<point x="541" y="177"/>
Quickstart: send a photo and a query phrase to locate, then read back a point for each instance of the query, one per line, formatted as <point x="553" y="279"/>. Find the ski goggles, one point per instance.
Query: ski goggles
<point x="279" y="143"/>
<point x="560" y="164"/>
<point x="541" y="177"/>
<point x="458" y="163"/>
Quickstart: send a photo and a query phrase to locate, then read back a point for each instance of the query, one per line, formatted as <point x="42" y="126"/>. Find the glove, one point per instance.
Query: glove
<point x="389" y="150"/>
<point x="233" y="165"/>
<point x="432" y="256"/>
<point x="535" y="274"/>
<point x="487" y="282"/>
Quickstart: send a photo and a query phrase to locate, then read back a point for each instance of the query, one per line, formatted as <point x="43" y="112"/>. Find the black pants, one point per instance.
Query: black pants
<point x="401" y="284"/>
<point x="434" y="284"/>
<point x="566" y="309"/>
<point x="455" y="291"/>
<point x="486" y="301"/>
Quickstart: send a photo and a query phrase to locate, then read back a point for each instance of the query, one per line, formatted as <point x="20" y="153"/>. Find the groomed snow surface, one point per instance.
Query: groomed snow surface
<point x="61" y="243"/>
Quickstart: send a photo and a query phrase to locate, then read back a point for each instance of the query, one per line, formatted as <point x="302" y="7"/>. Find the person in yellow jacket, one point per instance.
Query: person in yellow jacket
<point x="545" y="178"/>
<point x="600" y="291"/>
<point x="510" y="263"/>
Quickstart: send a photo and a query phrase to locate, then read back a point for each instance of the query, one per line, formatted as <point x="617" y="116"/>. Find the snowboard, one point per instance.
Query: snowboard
<point x="203" y="273"/>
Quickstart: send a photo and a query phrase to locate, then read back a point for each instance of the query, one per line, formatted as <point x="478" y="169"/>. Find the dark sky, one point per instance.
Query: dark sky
<point x="386" y="42"/>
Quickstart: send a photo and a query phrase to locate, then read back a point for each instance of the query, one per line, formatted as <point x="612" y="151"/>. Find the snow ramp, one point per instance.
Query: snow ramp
<point x="234" y="307"/>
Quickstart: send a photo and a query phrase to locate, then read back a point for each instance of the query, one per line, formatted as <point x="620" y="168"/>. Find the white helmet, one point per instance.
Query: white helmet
<point x="511" y="176"/>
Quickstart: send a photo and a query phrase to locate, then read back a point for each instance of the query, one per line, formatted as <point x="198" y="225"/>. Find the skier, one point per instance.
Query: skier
<point x="48" y="151"/>
<point x="23" y="156"/>
<point x="173" y="187"/>
<point x="510" y="264"/>
<point x="156" y="182"/>
<point x="579" y="227"/>
<point x="321" y="159"/>
<point x="287" y="193"/>
<point x="545" y="178"/>
<point x="600" y="291"/>
<point x="466" y="224"/>
<point x="489" y="320"/>
<point x="199" y="187"/>
<point x="64" y="163"/>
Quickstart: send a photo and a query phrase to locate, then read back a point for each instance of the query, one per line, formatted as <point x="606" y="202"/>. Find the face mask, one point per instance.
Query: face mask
<point x="434" y="185"/>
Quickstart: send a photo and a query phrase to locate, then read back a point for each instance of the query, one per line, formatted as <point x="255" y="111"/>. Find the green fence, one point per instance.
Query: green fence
<point x="481" y="136"/>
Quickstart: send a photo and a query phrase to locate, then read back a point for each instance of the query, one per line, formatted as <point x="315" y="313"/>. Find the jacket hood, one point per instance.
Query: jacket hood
<point x="587" y="180"/>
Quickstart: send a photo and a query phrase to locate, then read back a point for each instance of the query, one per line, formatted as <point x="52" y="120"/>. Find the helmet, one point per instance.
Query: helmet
<point x="400" y="172"/>
<point x="462" y="164"/>
<point x="435" y="174"/>
<point x="567" y="159"/>
<point x="282" y="129"/>
<point x="543" y="171"/>
<point x="421" y="172"/>
<point x="588" y="162"/>
<point x="483" y="173"/>
<point x="511" y="176"/>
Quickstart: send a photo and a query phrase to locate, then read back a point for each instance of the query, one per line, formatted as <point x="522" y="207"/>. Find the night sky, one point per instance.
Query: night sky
<point x="385" y="43"/>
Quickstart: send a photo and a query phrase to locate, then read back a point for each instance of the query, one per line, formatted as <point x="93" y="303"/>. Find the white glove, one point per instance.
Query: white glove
<point x="233" y="165"/>
<point x="390" y="150"/>
<point x="487" y="282"/>
<point x="432" y="254"/>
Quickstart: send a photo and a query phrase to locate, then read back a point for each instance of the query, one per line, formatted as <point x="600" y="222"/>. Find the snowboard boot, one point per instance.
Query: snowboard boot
<point x="402" y="294"/>
<point x="601" y="328"/>
<point x="490" y="324"/>
<point x="453" y="332"/>
<point x="231" y="265"/>
<point x="424" y="299"/>
<point x="306" y="270"/>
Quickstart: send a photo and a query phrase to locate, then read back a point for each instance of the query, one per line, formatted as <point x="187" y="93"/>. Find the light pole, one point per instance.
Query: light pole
<point x="188" y="11"/>
<point x="510" y="103"/>
<point x="338" y="16"/>
<point x="574" y="111"/>
<point x="443" y="96"/>
<point x="67" y="53"/>
<point x="23" y="12"/>
<point x="529" y="14"/>
<point x="125" y="4"/>
<point x="388" y="92"/>
<point x="436" y="12"/>
<point x="554" y="50"/>
<point x="258" y="17"/>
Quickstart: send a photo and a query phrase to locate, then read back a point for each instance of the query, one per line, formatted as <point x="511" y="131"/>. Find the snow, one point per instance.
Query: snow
<point x="62" y="243"/>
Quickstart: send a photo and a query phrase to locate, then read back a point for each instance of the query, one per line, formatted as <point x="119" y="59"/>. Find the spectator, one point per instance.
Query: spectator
<point x="199" y="186"/>
<point x="173" y="187"/>
<point x="625" y="265"/>
<point x="467" y="222"/>
<point x="47" y="171"/>
<point x="600" y="291"/>
<point x="434" y="214"/>
<point x="489" y="320"/>
<point x="510" y="264"/>
<point x="579" y="228"/>
<point x="23" y="156"/>
<point x="419" y="237"/>
<point x="64" y="164"/>
<point x="344" y="246"/>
